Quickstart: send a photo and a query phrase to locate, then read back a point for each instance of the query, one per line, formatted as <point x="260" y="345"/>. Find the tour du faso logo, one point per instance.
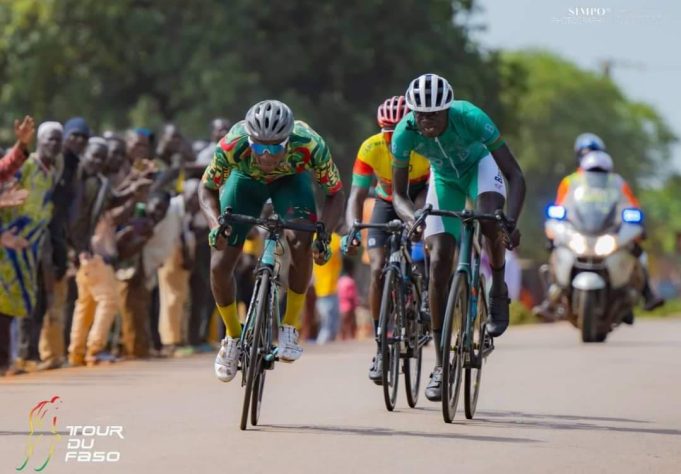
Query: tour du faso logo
<point x="42" y="414"/>
<point x="44" y="436"/>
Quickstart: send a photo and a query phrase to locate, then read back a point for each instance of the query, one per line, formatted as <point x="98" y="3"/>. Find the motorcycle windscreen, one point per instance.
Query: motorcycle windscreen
<point x="595" y="204"/>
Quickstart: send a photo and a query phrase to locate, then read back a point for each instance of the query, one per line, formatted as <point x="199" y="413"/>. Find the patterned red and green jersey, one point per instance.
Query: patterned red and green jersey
<point x="305" y="150"/>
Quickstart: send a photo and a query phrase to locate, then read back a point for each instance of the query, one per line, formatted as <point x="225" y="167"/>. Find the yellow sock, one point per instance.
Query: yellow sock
<point x="294" y="306"/>
<point x="231" y="320"/>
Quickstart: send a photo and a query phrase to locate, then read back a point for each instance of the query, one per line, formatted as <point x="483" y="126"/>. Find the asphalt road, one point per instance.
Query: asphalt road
<point x="549" y="404"/>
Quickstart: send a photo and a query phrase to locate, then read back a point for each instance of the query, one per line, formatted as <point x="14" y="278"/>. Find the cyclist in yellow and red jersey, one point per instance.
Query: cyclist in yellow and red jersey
<point x="375" y="161"/>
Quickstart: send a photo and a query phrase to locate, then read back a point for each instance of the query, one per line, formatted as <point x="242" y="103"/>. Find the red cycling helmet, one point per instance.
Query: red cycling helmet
<point x="391" y="112"/>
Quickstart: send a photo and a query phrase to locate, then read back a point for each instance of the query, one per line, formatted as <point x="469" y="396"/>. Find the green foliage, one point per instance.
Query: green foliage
<point x="144" y="62"/>
<point x="663" y="215"/>
<point x="552" y="101"/>
<point x="149" y="61"/>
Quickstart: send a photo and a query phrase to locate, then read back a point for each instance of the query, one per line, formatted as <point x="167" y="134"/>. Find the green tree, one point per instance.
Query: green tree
<point x="552" y="101"/>
<point x="161" y="60"/>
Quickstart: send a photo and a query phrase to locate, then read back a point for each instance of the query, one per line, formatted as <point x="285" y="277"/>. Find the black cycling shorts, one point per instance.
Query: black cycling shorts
<point x="382" y="214"/>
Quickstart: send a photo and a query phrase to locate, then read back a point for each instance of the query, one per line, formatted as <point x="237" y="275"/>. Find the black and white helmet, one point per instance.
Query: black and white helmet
<point x="429" y="93"/>
<point x="269" y="120"/>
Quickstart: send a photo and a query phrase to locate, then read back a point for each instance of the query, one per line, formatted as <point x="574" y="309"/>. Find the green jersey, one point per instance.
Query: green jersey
<point x="469" y="137"/>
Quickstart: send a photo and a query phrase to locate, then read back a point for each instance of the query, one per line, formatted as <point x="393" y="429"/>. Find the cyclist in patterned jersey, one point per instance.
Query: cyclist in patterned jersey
<point x="374" y="160"/>
<point x="468" y="159"/>
<point x="267" y="155"/>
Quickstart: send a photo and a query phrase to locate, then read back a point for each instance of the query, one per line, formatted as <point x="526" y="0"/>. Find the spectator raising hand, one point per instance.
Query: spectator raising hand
<point x="12" y="161"/>
<point x="25" y="131"/>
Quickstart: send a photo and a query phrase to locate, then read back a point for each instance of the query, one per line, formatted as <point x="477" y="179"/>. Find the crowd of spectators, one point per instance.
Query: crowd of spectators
<point x="104" y="253"/>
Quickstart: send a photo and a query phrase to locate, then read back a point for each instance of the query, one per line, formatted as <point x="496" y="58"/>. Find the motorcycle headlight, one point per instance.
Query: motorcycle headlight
<point x="605" y="245"/>
<point x="577" y="243"/>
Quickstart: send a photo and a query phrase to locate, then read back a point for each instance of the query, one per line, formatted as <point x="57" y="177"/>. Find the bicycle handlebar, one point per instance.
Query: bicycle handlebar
<point x="498" y="216"/>
<point x="395" y="226"/>
<point x="271" y="224"/>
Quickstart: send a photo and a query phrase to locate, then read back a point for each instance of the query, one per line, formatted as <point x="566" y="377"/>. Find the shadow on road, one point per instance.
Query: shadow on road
<point x="565" y="422"/>
<point x="517" y="414"/>
<point x="375" y="431"/>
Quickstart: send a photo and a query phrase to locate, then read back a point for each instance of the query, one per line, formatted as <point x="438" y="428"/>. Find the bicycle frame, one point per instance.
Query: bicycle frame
<point x="470" y="250"/>
<point x="266" y="269"/>
<point x="400" y="260"/>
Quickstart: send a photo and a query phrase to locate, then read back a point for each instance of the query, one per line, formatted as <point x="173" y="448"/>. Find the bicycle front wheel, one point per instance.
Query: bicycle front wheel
<point x="391" y="332"/>
<point x="258" y="349"/>
<point x="452" y="345"/>
<point x="412" y="363"/>
<point x="477" y="355"/>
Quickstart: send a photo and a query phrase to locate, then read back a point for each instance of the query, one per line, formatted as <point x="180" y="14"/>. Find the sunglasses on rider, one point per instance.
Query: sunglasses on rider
<point x="261" y="148"/>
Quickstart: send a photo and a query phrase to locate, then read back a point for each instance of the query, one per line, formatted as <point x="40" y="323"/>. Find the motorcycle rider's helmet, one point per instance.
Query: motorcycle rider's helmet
<point x="597" y="161"/>
<point x="587" y="142"/>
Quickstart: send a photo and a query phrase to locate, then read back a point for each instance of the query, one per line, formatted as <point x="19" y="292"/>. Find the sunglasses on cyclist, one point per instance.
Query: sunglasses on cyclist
<point x="261" y="148"/>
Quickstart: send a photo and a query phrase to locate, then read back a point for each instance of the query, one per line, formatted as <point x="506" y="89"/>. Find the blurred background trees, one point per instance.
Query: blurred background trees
<point x="145" y="62"/>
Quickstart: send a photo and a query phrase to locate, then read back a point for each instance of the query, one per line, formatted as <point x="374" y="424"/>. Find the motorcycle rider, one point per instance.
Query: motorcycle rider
<point x="591" y="156"/>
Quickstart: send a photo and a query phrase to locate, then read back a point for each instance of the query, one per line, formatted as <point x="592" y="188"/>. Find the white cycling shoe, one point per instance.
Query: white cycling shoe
<point x="289" y="350"/>
<point x="227" y="360"/>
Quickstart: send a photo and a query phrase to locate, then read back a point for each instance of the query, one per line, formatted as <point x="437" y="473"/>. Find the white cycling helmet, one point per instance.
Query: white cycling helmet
<point x="429" y="93"/>
<point x="269" y="120"/>
<point x="596" y="161"/>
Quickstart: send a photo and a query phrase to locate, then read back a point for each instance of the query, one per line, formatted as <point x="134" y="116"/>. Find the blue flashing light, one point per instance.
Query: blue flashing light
<point x="632" y="216"/>
<point x="558" y="213"/>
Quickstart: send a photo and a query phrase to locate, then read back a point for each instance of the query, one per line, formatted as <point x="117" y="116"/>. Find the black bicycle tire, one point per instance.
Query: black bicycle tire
<point x="255" y="364"/>
<point x="412" y="382"/>
<point x="451" y="388"/>
<point x="259" y="386"/>
<point x="471" y="380"/>
<point x="389" y="392"/>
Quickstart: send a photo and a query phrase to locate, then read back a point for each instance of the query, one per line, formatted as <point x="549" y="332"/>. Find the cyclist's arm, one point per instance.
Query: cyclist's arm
<point x="401" y="150"/>
<point x="332" y="210"/>
<point x="516" y="181"/>
<point x="327" y="175"/>
<point x="362" y="176"/>
<point x="213" y="178"/>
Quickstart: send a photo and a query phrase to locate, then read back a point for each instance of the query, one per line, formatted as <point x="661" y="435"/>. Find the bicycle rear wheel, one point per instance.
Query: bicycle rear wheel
<point x="452" y="345"/>
<point x="390" y="338"/>
<point x="257" y="350"/>
<point x="412" y="363"/>
<point x="473" y="374"/>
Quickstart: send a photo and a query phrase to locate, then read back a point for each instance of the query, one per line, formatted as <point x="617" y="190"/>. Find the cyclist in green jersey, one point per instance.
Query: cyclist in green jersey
<point x="267" y="156"/>
<point x="468" y="159"/>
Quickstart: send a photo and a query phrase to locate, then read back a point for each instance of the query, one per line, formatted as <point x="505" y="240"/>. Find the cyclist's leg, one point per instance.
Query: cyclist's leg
<point x="382" y="213"/>
<point x="293" y="200"/>
<point x="488" y="189"/>
<point x="376" y="241"/>
<point x="441" y="234"/>
<point x="245" y="196"/>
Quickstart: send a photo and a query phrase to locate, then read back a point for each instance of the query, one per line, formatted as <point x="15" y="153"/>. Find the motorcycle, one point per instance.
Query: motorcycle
<point x="596" y="279"/>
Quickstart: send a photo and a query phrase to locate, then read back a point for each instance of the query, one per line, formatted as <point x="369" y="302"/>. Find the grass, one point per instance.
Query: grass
<point x="670" y="308"/>
<point x="522" y="315"/>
